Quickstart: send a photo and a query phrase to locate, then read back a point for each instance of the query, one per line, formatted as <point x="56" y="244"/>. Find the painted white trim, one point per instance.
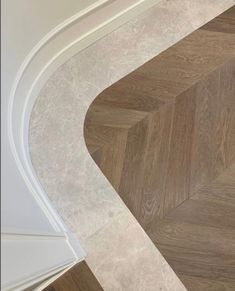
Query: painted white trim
<point x="50" y="246"/>
<point x="20" y="153"/>
<point x="42" y="199"/>
<point x="22" y="158"/>
<point x="23" y="142"/>
<point x="9" y="231"/>
<point x="47" y="282"/>
<point x="41" y="277"/>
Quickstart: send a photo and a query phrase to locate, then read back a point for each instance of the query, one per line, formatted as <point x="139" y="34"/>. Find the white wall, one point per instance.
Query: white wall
<point x="26" y="22"/>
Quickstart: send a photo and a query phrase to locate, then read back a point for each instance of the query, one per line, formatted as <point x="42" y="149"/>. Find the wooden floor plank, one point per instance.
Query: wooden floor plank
<point x="198" y="283"/>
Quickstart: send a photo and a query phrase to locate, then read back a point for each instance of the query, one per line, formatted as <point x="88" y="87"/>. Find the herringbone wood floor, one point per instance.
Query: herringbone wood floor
<point x="164" y="136"/>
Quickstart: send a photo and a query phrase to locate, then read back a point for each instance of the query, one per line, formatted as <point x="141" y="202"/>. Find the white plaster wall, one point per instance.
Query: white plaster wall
<point x="25" y="22"/>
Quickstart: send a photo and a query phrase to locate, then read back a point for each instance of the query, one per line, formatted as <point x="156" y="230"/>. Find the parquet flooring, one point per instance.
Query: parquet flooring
<point x="164" y="136"/>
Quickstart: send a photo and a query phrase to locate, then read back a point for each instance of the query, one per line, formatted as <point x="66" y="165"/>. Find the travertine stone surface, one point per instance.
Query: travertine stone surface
<point x="130" y="253"/>
<point x="119" y="252"/>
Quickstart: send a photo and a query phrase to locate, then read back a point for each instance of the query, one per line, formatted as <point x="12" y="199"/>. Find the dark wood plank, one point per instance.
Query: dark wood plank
<point x="197" y="238"/>
<point x="177" y="185"/>
<point x="78" y="278"/>
<point x="131" y="183"/>
<point x="199" y="284"/>
<point x="156" y="164"/>
<point x="214" y="131"/>
<point x="111" y="160"/>
<point x="223" y="23"/>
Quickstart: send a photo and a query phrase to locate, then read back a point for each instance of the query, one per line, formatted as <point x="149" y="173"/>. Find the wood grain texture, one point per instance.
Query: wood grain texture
<point x="164" y="136"/>
<point x="78" y="278"/>
<point x="198" y="237"/>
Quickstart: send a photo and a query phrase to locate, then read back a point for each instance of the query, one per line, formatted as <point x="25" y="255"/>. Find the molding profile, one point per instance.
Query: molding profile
<point x="39" y="65"/>
<point x="14" y="245"/>
<point x="57" y="46"/>
<point x="50" y="52"/>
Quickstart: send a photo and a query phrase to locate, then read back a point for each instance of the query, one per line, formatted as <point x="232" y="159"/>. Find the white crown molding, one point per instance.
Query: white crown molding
<point x="35" y="187"/>
<point x="41" y="62"/>
<point x="57" y="46"/>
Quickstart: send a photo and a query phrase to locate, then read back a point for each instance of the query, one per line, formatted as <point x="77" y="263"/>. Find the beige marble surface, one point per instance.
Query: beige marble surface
<point x="119" y="252"/>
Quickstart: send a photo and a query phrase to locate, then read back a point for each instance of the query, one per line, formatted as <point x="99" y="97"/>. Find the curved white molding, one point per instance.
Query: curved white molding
<point x="65" y="40"/>
<point x="105" y="16"/>
<point x="32" y="54"/>
<point x="14" y="246"/>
